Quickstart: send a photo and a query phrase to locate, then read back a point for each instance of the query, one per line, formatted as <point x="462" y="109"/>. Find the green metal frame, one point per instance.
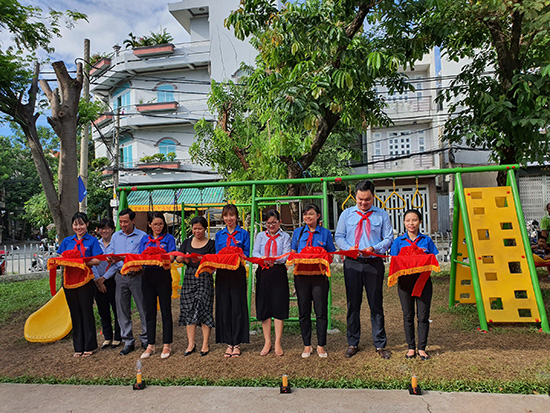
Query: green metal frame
<point x="459" y="205"/>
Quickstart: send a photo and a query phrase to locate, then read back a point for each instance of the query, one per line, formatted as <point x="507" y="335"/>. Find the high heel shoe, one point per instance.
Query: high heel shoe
<point x="166" y="351"/>
<point x="148" y="351"/>
<point x="188" y="352"/>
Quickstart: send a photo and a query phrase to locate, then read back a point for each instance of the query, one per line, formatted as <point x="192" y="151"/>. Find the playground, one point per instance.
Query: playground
<point x="488" y="328"/>
<point x="510" y="358"/>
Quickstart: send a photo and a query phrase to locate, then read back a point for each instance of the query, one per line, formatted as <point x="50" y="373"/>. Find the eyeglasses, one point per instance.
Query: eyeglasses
<point x="272" y="223"/>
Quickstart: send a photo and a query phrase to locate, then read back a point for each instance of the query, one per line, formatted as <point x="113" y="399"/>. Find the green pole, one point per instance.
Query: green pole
<point x="122" y="204"/>
<point x="459" y="191"/>
<point x="511" y="181"/>
<point x="455" y="241"/>
<point x="252" y="238"/>
<point x="183" y="226"/>
<point x="393" y="174"/>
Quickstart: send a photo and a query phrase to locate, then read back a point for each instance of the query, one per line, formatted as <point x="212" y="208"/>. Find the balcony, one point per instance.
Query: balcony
<point x="100" y="67"/>
<point x="157" y="107"/>
<point x="415" y="162"/>
<point x="126" y="64"/>
<point x="154" y="51"/>
<point x="103" y="120"/>
<point x="407" y="105"/>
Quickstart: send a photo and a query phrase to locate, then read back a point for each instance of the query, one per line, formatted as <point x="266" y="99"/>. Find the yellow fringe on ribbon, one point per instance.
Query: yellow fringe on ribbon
<point x="137" y="264"/>
<point x="392" y="279"/>
<point x="324" y="266"/>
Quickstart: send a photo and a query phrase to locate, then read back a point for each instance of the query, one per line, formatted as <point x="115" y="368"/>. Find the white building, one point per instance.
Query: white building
<point x="158" y="93"/>
<point x="413" y="143"/>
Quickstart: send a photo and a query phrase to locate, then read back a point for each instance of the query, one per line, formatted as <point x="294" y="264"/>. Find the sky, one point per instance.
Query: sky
<point x="109" y="23"/>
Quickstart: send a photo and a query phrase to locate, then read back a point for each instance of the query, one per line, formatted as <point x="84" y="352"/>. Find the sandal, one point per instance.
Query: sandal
<point x="148" y="351"/>
<point x="87" y="353"/>
<point x="236" y="351"/>
<point x="228" y="352"/>
<point x="75" y="355"/>
<point x="166" y="351"/>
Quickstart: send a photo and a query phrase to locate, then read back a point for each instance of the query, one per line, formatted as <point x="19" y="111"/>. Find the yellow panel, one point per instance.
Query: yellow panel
<point x="504" y="277"/>
<point x="464" y="289"/>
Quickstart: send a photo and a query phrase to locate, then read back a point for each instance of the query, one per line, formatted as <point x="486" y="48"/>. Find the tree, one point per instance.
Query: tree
<point x="18" y="177"/>
<point x="315" y="75"/>
<point x="501" y="99"/>
<point x="27" y="25"/>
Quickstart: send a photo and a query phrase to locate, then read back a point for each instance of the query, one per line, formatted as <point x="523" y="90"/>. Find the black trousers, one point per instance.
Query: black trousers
<point x="367" y="274"/>
<point x="232" y="326"/>
<point x="80" y="301"/>
<point x="312" y="288"/>
<point x="405" y="286"/>
<point x="105" y="302"/>
<point x="157" y="282"/>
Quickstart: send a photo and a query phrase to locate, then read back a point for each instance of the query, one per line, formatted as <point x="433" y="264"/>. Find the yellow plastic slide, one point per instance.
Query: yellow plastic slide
<point x="50" y="323"/>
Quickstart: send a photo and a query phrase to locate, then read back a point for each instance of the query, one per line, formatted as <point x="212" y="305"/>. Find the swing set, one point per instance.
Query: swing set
<point x="491" y="260"/>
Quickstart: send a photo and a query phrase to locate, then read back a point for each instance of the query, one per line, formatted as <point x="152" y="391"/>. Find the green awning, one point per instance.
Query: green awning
<point x="163" y="199"/>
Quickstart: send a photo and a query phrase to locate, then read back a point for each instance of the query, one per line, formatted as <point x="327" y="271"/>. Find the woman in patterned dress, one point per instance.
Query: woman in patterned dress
<point x="197" y="297"/>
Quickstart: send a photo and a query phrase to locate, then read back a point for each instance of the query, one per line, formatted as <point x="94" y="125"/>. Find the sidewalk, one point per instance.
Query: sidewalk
<point x="43" y="398"/>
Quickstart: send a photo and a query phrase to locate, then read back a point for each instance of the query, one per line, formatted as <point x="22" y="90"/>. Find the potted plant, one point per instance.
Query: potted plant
<point x="99" y="63"/>
<point x="157" y="44"/>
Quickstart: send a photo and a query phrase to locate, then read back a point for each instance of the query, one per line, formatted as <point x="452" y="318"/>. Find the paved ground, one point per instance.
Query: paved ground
<point x="30" y="398"/>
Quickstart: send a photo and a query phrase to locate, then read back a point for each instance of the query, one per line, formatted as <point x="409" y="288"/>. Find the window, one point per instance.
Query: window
<point x="126" y="157"/>
<point x="165" y="93"/>
<point x="121" y="98"/>
<point x="421" y="141"/>
<point x="166" y="146"/>
<point x="399" y="143"/>
<point x="377" y="137"/>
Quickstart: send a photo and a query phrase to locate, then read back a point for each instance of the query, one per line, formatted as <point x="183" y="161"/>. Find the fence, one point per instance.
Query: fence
<point x="26" y="258"/>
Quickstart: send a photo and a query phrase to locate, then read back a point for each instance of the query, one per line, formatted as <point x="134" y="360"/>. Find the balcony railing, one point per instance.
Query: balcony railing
<point x="387" y="162"/>
<point x="408" y="104"/>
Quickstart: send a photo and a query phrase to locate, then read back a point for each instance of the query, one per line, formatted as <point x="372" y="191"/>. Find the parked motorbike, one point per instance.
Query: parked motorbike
<point x="2" y="262"/>
<point x="38" y="263"/>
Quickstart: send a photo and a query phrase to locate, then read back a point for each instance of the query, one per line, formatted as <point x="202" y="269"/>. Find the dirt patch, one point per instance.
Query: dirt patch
<point x="458" y="350"/>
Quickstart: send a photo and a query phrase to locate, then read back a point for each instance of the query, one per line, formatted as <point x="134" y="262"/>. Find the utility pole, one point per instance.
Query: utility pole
<point x="86" y="128"/>
<point x="114" y="201"/>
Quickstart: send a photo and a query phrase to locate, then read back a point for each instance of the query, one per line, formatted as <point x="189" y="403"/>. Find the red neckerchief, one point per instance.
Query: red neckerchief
<point x="309" y="242"/>
<point x="155" y="241"/>
<point x="271" y="244"/>
<point x="79" y="245"/>
<point x="231" y="237"/>
<point x="412" y="242"/>
<point x="359" y="228"/>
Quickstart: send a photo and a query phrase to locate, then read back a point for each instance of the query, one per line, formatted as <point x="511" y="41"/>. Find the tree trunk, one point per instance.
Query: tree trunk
<point x="64" y="104"/>
<point x="24" y="116"/>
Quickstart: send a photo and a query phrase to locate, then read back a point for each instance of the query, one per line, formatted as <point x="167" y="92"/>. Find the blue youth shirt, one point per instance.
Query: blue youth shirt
<point x="167" y="243"/>
<point x="321" y="238"/>
<point x="91" y="245"/>
<point x="423" y="242"/>
<point x="241" y="236"/>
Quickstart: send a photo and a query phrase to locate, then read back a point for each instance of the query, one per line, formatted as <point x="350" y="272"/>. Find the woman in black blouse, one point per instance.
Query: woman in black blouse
<point x="197" y="296"/>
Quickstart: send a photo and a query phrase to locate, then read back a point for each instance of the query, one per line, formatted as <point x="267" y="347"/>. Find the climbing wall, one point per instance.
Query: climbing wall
<point x="504" y="278"/>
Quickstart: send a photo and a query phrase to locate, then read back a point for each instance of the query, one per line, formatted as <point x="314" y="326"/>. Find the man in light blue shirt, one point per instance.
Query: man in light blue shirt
<point x="126" y="241"/>
<point x="364" y="227"/>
